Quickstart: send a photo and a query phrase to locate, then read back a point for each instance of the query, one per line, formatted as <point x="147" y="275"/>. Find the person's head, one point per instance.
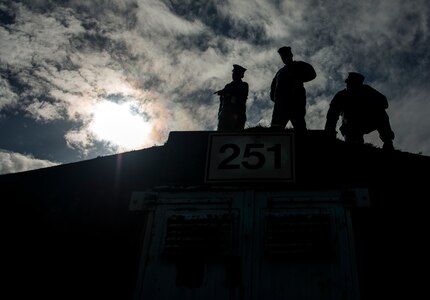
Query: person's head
<point x="286" y="54"/>
<point x="354" y="80"/>
<point x="238" y="72"/>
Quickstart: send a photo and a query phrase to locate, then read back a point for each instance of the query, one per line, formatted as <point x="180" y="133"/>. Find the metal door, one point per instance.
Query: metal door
<point x="193" y="247"/>
<point x="303" y="247"/>
<point x="248" y="245"/>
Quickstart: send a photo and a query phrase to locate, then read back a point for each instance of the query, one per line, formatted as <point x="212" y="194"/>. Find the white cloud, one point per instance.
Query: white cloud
<point x="36" y="38"/>
<point x="157" y="20"/>
<point x="279" y="20"/>
<point x="44" y="111"/>
<point x="12" y="162"/>
<point x="82" y="140"/>
<point x="8" y="98"/>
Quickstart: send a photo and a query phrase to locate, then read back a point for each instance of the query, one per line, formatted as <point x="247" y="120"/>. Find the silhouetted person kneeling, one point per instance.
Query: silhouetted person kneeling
<point x="288" y="92"/>
<point x="363" y="111"/>
<point x="232" y="107"/>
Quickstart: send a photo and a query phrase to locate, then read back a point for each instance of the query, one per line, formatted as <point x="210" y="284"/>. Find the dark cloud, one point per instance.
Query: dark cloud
<point x="221" y="25"/>
<point x="6" y="17"/>
<point x="45" y="141"/>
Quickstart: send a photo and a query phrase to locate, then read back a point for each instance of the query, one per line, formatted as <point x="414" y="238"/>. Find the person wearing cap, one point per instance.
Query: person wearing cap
<point x="363" y="110"/>
<point x="232" y="108"/>
<point x="288" y="93"/>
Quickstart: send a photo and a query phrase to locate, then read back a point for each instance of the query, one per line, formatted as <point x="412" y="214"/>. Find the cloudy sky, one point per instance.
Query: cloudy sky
<point x="81" y="79"/>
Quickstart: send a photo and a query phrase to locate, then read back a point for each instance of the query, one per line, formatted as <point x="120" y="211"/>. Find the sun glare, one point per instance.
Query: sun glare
<point x="118" y="124"/>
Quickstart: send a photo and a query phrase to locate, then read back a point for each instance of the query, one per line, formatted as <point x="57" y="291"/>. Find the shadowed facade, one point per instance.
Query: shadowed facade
<point x="73" y="231"/>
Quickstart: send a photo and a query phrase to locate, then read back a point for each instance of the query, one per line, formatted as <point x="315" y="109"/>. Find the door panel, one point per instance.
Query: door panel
<point x="303" y="250"/>
<point x="249" y="245"/>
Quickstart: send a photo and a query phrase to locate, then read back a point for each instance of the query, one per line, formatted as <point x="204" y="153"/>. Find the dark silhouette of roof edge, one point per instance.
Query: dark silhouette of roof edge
<point x="176" y="139"/>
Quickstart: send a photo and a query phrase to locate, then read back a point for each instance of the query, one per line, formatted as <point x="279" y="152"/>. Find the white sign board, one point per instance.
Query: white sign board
<point x="250" y="157"/>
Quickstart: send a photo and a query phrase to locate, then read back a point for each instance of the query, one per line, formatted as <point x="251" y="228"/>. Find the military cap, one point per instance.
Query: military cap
<point x="239" y="69"/>
<point x="285" y="50"/>
<point x="354" y="77"/>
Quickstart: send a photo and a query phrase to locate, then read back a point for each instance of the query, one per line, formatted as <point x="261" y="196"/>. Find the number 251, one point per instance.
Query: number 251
<point x="251" y="150"/>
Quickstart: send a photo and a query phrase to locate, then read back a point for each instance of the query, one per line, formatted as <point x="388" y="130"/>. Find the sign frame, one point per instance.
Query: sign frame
<point x="243" y="155"/>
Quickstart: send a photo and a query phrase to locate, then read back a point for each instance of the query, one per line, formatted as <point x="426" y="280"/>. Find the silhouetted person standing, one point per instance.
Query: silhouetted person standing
<point x="232" y="108"/>
<point x="363" y="111"/>
<point x="288" y="92"/>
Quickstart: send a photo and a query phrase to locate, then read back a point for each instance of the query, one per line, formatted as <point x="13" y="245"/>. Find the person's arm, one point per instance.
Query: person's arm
<point x="272" y="89"/>
<point x="225" y="91"/>
<point x="304" y="71"/>
<point x="241" y="93"/>
<point x="245" y="91"/>
<point x="333" y="116"/>
<point x="377" y="99"/>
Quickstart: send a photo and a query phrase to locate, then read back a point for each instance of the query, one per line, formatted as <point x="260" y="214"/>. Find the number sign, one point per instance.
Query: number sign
<point x="250" y="157"/>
